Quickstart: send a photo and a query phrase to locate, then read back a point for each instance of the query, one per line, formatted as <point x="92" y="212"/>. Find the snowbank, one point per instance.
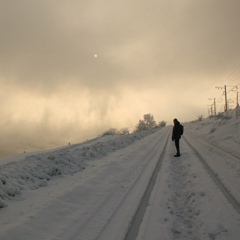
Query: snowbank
<point x="223" y="132"/>
<point x="36" y="170"/>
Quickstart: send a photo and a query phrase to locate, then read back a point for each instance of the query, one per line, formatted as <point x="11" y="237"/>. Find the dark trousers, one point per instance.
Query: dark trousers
<point x="177" y="145"/>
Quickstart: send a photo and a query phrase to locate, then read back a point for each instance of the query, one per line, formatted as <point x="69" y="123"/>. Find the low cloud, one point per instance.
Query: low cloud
<point x="153" y="56"/>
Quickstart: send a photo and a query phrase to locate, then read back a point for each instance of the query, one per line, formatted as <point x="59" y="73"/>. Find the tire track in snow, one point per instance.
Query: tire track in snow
<point x="215" y="177"/>
<point x="214" y="146"/>
<point x="137" y="219"/>
<point x="97" y="223"/>
<point x="172" y="210"/>
<point x="186" y="204"/>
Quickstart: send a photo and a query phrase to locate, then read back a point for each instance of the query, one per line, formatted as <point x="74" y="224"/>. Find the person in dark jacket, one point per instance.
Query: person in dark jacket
<point x="176" y="135"/>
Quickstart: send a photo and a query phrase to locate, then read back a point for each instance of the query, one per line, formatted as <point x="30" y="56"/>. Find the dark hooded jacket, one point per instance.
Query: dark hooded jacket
<point x="176" y="133"/>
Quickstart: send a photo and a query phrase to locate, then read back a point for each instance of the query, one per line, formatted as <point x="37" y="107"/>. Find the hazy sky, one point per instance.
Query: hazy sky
<point x="72" y="69"/>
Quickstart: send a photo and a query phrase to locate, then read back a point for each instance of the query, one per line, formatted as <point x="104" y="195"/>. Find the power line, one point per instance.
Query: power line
<point x="231" y="84"/>
<point x="230" y="80"/>
<point x="235" y="77"/>
<point x="233" y="74"/>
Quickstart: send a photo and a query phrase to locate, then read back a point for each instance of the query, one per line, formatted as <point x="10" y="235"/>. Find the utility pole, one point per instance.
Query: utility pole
<point x="226" y="103"/>
<point x="237" y="108"/>
<point x="213" y="112"/>
<point x="237" y="100"/>
<point x="225" y="94"/>
<point x="210" y="111"/>
<point x="237" y="104"/>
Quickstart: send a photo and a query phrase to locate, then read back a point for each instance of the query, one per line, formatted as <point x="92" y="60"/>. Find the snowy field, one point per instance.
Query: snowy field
<point x="99" y="189"/>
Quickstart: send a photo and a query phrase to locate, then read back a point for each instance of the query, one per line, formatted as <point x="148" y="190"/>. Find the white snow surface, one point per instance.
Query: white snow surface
<point x="92" y="190"/>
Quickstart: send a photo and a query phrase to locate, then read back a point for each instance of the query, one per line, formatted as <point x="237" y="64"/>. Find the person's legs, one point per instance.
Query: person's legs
<point x="177" y="147"/>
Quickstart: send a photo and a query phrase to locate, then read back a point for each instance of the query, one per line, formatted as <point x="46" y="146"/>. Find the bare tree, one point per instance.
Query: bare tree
<point x="141" y="126"/>
<point x="149" y="120"/>
<point x="147" y="123"/>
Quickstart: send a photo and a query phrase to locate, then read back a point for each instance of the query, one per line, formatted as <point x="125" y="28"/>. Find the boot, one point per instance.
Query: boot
<point x="177" y="154"/>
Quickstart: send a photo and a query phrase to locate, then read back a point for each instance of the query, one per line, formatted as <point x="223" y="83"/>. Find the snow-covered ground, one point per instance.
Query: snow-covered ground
<point x="93" y="190"/>
<point x="223" y="132"/>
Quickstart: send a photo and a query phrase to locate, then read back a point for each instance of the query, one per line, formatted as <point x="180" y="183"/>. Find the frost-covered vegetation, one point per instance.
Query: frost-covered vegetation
<point x="147" y="123"/>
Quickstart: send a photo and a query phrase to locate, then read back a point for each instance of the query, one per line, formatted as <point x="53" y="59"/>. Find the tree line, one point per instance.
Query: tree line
<point x="147" y="123"/>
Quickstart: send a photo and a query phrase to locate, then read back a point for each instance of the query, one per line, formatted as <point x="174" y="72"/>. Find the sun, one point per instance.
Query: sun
<point x="95" y="55"/>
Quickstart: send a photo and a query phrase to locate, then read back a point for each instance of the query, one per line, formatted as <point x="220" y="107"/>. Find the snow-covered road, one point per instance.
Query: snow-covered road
<point x="108" y="200"/>
<point x="186" y="203"/>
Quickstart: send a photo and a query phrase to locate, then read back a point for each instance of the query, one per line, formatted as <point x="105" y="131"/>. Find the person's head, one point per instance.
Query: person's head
<point x="175" y="120"/>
